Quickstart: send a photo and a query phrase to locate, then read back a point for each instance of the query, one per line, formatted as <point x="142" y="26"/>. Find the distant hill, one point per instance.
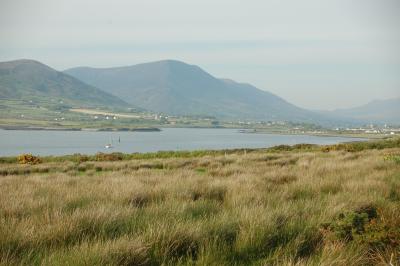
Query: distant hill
<point x="377" y="111"/>
<point x="29" y="80"/>
<point x="174" y="87"/>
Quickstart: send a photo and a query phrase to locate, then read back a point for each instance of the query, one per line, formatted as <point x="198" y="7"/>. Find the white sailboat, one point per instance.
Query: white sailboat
<point x="109" y="145"/>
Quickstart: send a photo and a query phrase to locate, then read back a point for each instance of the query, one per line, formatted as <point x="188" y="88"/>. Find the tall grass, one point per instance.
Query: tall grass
<point x="302" y="206"/>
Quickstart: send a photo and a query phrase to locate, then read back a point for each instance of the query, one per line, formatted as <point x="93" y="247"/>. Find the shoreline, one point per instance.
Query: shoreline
<point x="162" y="154"/>
<point x="360" y="136"/>
<point x="144" y="129"/>
<point x="158" y="129"/>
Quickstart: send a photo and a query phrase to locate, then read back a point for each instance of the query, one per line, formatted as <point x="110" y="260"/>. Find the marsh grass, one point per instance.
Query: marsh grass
<point x="302" y="205"/>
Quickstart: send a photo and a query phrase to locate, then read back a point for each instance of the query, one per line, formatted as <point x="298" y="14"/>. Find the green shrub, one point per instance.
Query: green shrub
<point x="116" y="156"/>
<point x="80" y="158"/>
<point x="281" y="148"/>
<point x="348" y="225"/>
<point x="200" y="170"/>
<point x="216" y="193"/>
<point x="394" y="157"/>
<point x="363" y="145"/>
<point x="8" y="160"/>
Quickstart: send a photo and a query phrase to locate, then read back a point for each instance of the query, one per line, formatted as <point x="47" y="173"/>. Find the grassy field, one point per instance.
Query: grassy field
<point x="302" y="205"/>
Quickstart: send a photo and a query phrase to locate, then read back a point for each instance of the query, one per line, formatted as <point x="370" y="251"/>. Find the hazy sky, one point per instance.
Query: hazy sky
<point x="318" y="54"/>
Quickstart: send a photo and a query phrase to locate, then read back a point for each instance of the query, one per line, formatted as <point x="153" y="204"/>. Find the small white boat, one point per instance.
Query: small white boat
<point x="109" y="145"/>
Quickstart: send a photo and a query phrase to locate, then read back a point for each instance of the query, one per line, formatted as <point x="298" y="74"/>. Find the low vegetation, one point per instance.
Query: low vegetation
<point x="287" y="205"/>
<point x="28" y="159"/>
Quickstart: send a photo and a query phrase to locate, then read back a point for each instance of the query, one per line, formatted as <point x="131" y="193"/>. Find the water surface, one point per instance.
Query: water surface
<point x="42" y="142"/>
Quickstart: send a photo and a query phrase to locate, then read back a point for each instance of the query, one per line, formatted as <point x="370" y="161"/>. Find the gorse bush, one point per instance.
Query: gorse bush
<point x="364" y="226"/>
<point x="28" y="159"/>
<point x="350" y="224"/>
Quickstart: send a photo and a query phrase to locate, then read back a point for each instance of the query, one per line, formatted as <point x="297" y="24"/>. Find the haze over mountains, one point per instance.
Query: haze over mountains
<point x="29" y="80"/>
<point x="171" y="87"/>
<point x="174" y="87"/>
<point x="384" y="111"/>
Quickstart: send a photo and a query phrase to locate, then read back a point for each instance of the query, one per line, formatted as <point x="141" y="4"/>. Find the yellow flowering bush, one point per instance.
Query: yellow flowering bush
<point x="28" y="159"/>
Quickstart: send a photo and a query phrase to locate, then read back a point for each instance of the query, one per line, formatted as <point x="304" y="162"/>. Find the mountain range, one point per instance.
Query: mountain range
<point x="377" y="111"/>
<point x="29" y="80"/>
<point x="172" y="87"/>
<point x="177" y="88"/>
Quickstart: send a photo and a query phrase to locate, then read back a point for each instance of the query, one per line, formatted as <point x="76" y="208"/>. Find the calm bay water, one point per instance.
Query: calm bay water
<point x="14" y="142"/>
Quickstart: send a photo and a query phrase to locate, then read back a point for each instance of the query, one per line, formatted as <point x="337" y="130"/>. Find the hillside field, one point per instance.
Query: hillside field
<point x="301" y="205"/>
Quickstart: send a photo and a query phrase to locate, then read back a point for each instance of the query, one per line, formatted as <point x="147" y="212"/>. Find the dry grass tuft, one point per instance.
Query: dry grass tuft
<point x="288" y="205"/>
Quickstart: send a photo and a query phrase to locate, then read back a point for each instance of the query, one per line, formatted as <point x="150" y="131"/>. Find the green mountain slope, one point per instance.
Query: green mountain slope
<point x="177" y="88"/>
<point x="28" y="80"/>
